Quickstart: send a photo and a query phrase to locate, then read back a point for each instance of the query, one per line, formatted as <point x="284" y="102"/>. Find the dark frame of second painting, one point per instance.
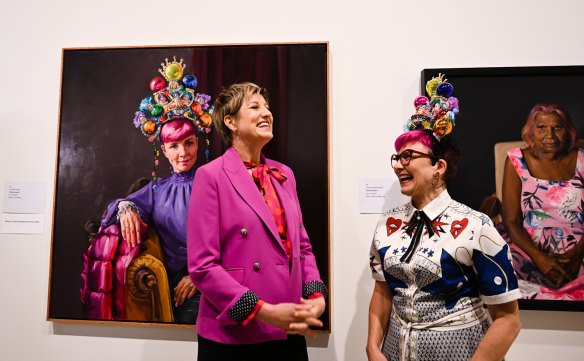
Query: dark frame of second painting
<point x="101" y="153"/>
<point x="494" y="105"/>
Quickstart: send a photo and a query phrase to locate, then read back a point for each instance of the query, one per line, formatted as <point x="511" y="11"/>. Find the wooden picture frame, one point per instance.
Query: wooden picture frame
<point x="494" y="105"/>
<point x="100" y="153"/>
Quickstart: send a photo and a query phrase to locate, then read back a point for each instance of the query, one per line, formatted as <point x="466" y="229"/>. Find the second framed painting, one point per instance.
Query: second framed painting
<point x="545" y="210"/>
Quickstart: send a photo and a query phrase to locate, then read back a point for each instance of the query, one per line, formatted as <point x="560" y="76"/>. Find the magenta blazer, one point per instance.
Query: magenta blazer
<point x="233" y="247"/>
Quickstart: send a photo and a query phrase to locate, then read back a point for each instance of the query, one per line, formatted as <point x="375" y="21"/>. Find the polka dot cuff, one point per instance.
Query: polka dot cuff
<point x="313" y="287"/>
<point x="243" y="307"/>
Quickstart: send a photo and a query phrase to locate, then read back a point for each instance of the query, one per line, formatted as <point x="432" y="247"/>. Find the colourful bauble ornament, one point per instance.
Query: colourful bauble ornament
<point x="206" y="119"/>
<point x="431" y="85"/>
<point x="157" y="110"/>
<point x="196" y="107"/>
<point x="445" y="90"/>
<point x="419" y="101"/>
<point x="149" y="127"/>
<point x="157" y="84"/>
<point x="173" y="72"/>
<point x="190" y="81"/>
<point x="442" y="127"/>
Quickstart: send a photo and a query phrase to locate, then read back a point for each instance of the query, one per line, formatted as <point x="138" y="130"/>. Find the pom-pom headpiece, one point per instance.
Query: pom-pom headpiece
<point x="177" y="100"/>
<point x="437" y="113"/>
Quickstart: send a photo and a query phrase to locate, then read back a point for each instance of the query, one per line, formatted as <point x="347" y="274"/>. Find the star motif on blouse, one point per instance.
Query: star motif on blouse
<point x="430" y="254"/>
<point x="471" y="237"/>
<point x="404" y="237"/>
<point x="395" y="251"/>
<point x="425" y="250"/>
<point x="463" y="319"/>
<point x="404" y="249"/>
<point x="437" y="227"/>
<point x="446" y="215"/>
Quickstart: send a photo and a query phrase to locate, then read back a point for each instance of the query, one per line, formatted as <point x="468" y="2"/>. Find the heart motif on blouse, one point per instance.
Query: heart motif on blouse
<point x="458" y="226"/>
<point x="392" y="225"/>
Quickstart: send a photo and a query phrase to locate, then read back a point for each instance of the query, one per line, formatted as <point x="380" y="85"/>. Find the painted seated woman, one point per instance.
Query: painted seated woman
<point x="543" y="199"/>
<point x="161" y="205"/>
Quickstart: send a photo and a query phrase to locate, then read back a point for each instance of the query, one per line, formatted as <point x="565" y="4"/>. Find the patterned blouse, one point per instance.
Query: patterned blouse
<point x="439" y="278"/>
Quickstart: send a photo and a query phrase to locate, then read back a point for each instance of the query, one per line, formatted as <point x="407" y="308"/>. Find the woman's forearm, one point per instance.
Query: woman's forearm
<point x="521" y="239"/>
<point x="379" y="315"/>
<point x="501" y="334"/>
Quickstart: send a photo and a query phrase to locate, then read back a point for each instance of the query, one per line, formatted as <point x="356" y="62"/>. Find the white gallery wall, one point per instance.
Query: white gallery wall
<point x="377" y="50"/>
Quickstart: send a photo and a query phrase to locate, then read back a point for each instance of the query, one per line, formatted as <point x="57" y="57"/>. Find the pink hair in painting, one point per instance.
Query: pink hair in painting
<point x="414" y="136"/>
<point x="176" y="130"/>
<point x="527" y="132"/>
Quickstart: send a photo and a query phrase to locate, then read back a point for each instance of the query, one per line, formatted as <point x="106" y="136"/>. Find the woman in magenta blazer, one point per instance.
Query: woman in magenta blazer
<point x="248" y="252"/>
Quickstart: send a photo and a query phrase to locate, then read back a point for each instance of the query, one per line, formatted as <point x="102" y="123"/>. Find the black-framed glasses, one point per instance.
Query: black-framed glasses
<point x="406" y="157"/>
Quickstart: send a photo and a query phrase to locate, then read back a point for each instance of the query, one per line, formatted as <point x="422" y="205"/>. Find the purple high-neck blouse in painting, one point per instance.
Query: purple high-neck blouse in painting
<point x="166" y="210"/>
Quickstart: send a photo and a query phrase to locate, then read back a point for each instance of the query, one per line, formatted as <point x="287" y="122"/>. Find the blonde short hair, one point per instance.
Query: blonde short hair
<point x="229" y="102"/>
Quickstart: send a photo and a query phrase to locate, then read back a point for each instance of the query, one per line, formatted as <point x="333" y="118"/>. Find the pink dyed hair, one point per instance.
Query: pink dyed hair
<point x="560" y="111"/>
<point x="176" y="130"/>
<point x="414" y="136"/>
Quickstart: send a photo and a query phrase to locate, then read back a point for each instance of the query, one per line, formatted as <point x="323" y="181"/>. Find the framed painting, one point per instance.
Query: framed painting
<point x="494" y="107"/>
<point x="104" y="156"/>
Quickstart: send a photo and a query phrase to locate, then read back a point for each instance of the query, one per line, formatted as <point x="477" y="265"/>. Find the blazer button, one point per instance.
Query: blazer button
<point x="244" y="232"/>
<point x="256" y="266"/>
<point x="300" y="226"/>
<point x="302" y="257"/>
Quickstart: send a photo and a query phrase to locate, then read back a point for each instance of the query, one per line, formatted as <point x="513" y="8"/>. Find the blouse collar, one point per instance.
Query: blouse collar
<point x="184" y="176"/>
<point x="435" y="207"/>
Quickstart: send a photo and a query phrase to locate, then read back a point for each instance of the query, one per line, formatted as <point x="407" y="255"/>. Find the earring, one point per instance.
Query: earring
<point x="435" y="179"/>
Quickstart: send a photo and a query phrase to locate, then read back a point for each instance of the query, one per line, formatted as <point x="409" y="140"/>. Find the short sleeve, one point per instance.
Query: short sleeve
<point x="375" y="258"/>
<point x="492" y="261"/>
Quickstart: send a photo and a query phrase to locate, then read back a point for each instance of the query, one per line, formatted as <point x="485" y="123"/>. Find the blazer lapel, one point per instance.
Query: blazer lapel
<point x="288" y="204"/>
<point x="246" y="188"/>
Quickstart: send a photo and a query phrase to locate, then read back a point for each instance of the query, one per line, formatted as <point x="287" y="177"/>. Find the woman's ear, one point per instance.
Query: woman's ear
<point x="441" y="166"/>
<point x="230" y="123"/>
<point x="163" y="149"/>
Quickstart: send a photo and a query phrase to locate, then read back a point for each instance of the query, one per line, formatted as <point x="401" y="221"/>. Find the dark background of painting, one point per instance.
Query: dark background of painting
<point x="494" y="105"/>
<point x="101" y="153"/>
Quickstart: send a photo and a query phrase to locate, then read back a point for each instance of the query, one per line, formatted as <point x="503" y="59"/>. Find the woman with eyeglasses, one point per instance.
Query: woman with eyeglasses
<point x="436" y="261"/>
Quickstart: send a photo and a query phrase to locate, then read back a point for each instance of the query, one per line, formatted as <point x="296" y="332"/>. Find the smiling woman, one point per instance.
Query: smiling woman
<point x="435" y="261"/>
<point x="248" y="251"/>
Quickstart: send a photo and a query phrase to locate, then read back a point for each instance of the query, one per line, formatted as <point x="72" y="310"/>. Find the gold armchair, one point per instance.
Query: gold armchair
<point x="147" y="288"/>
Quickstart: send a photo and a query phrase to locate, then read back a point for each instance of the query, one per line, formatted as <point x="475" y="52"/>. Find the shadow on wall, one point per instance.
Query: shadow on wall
<point x="357" y="335"/>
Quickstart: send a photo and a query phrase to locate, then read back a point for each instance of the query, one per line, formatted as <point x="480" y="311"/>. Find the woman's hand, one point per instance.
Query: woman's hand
<point x="282" y="315"/>
<point x="309" y="316"/>
<point x="375" y="355"/>
<point x="183" y="291"/>
<point x="571" y="261"/>
<point x="317" y="306"/>
<point x="551" y="268"/>
<point x="130" y="224"/>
